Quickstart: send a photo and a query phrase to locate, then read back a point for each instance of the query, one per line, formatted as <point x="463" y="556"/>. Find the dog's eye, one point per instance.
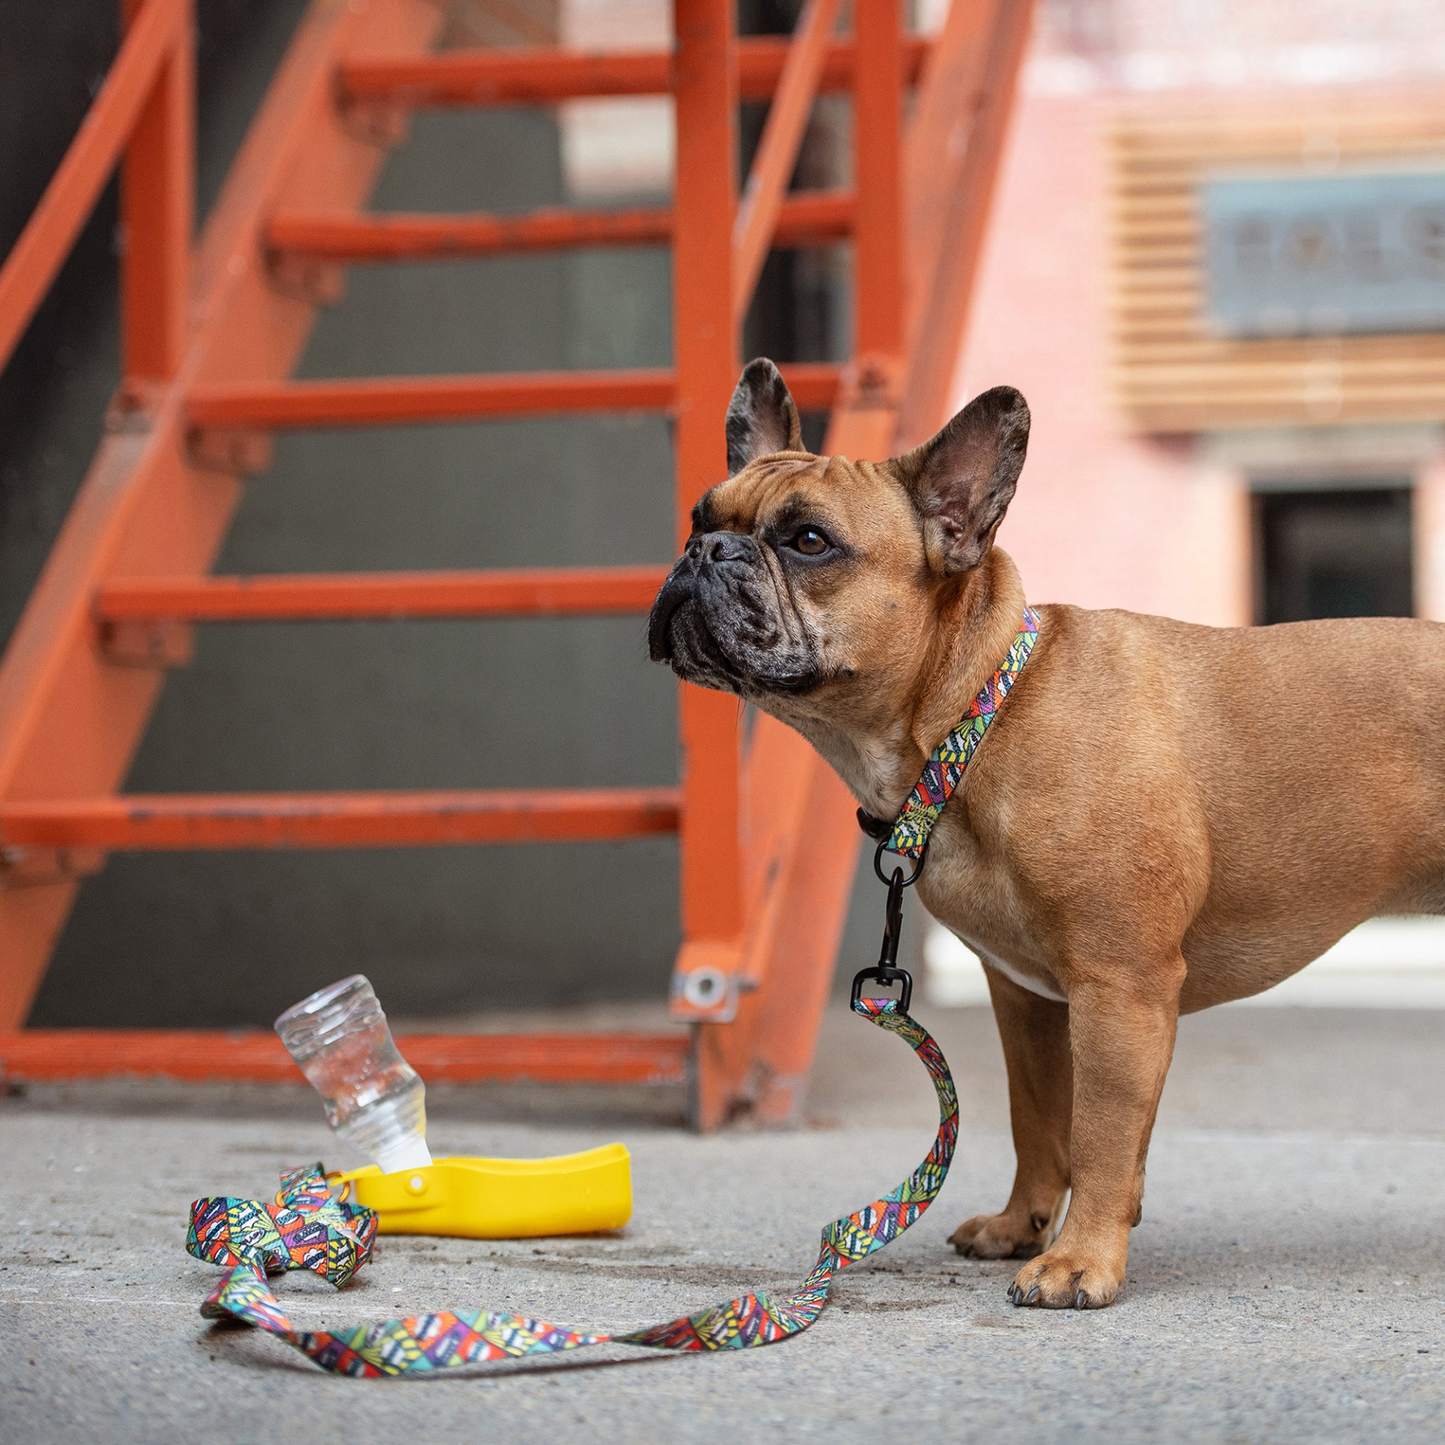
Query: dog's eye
<point x="810" y="542"/>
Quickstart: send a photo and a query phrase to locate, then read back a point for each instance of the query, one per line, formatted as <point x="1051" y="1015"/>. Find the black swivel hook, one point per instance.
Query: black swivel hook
<point x="886" y="971"/>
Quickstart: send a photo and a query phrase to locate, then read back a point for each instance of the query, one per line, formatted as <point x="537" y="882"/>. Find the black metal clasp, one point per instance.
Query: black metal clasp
<point x="887" y="977"/>
<point x="887" y="972"/>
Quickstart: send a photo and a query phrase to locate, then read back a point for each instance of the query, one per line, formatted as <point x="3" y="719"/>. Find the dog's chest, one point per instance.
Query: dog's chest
<point x="1024" y="978"/>
<point x="974" y="896"/>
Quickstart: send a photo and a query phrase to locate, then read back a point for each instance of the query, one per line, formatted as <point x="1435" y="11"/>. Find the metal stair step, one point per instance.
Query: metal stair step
<point x="379" y="401"/>
<point x="807" y="218"/>
<point x="40" y="1056"/>
<point x="401" y="818"/>
<point x="534" y="75"/>
<point x="519" y="592"/>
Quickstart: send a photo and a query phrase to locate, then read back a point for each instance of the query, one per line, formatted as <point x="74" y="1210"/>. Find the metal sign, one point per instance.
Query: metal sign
<point x="1293" y="255"/>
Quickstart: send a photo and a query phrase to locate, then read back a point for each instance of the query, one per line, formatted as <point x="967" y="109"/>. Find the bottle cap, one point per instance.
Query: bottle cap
<point x="407" y="1154"/>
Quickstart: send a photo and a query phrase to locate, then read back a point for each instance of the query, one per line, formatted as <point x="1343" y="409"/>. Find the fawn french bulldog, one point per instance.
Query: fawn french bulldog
<point x="1161" y="817"/>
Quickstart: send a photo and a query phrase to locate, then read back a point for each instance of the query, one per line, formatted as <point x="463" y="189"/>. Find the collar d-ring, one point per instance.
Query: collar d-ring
<point x="907" y="882"/>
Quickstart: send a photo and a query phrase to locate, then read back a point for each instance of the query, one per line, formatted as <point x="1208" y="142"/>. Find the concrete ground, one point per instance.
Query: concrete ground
<point x="1286" y="1284"/>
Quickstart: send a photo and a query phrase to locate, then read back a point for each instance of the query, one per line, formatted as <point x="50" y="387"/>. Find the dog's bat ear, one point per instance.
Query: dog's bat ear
<point x="963" y="479"/>
<point x="761" y="416"/>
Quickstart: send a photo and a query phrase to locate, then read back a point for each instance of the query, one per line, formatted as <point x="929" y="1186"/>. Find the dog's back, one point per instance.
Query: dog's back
<point x="1313" y="753"/>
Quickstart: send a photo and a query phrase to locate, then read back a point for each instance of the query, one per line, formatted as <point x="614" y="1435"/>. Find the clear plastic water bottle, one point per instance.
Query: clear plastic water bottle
<point x="374" y="1099"/>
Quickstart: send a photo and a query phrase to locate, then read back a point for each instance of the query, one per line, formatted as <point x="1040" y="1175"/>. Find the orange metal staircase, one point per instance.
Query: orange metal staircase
<point x="210" y="336"/>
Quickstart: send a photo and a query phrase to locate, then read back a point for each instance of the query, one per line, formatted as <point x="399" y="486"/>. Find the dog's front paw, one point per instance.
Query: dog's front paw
<point x="1063" y="1280"/>
<point x="1002" y="1236"/>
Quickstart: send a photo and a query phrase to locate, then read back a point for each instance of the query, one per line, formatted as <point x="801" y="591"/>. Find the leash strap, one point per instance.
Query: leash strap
<point x="945" y="769"/>
<point x="305" y="1228"/>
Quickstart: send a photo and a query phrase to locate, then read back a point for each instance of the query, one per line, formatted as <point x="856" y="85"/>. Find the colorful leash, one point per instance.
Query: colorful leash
<point x="305" y="1228"/>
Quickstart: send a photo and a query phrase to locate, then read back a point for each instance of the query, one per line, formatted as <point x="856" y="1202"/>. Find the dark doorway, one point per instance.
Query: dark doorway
<point x="1337" y="553"/>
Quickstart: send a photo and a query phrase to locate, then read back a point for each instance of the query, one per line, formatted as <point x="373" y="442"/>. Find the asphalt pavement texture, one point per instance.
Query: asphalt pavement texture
<point x="1287" y="1281"/>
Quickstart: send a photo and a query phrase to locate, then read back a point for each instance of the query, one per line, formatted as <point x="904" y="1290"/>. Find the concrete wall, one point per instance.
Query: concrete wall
<point x="1103" y="517"/>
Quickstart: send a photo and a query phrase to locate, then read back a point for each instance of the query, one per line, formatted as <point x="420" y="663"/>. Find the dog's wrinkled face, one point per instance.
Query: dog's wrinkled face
<point x="735" y="614"/>
<point x="806" y="577"/>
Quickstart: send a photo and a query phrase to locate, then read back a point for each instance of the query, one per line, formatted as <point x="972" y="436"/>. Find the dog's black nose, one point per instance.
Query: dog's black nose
<point x="716" y="547"/>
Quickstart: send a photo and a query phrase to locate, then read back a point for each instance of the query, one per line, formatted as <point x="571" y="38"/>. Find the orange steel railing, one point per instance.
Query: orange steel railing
<point x="144" y="112"/>
<point x="210" y="338"/>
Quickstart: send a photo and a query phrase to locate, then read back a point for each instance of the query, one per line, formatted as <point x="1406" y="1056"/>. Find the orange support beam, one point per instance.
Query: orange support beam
<point x="777" y="154"/>
<point x="157" y="207"/>
<point x="53" y="1056"/>
<point x="542" y="75"/>
<point x="169" y="821"/>
<point x="705" y="348"/>
<point x="806" y="218"/>
<point x="755" y="1053"/>
<point x="755" y="1045"/>
<point x="529" y="592"/>
<point x="516" y="75"/>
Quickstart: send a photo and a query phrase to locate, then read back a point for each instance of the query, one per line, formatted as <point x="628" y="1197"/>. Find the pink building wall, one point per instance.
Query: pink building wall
<point x="1105" y="517"/>
<point x="1102" y="518"/>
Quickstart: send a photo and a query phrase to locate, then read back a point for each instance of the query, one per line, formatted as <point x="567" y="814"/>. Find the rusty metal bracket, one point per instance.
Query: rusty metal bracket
<point x="871" y="383"/>
<point x="239" y="452"/>
<point x="163" y="642"/>
<point x="376" y="122"/>
<point x="706" y="983"/>
<point x="306" y="278"/>
<point x="29" y="867"/>
<point x="134" y="405"/>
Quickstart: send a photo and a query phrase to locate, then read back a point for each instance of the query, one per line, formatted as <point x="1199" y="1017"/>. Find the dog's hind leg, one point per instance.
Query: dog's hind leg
<point x="1035" y="1035"/>
<point x="1122" y="1028"/>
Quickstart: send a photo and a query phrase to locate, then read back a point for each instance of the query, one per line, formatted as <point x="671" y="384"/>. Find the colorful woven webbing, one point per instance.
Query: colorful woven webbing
<point x="945" y="769"/>
<point x="306" y="1229"/>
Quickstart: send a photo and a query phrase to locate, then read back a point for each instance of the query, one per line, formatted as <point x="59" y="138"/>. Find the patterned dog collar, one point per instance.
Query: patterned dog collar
<point x="908" y="835"/>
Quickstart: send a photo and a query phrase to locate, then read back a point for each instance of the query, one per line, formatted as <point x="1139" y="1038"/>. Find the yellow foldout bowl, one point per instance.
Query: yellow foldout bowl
<point x="501" y="1198"/>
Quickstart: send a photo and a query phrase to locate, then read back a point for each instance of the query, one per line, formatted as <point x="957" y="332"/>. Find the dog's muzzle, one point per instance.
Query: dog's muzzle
<point x="711" y="561"/>
<point x="721" y="621"/>
<point x="677" y="592"/>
